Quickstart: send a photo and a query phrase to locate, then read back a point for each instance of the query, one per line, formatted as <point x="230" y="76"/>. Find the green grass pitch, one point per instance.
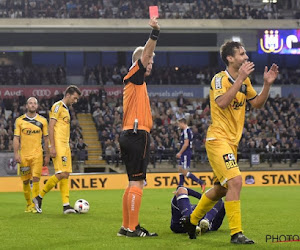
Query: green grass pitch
<point x="265" y="211"/>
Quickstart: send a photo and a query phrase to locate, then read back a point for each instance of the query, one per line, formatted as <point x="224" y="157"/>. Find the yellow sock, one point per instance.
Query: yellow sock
<point x="204" y="205"/>
<point x="64" y="191"/>
<point x="51" y="183"/>
<point x="35" y="189"/>
<point x="233" y="212"/>
<point x="27" y="191"/>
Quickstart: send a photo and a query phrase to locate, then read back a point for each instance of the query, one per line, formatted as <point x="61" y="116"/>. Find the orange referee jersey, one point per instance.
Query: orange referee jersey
<point x="136" y="104"/>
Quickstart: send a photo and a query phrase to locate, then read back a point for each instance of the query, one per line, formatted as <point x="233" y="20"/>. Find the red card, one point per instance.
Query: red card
<point x="153" y="11"/>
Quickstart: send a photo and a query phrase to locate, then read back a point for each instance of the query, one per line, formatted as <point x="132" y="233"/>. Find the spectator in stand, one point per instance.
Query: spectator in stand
<point x="230" y="9"/>
<point x="110" y="152"/>
<point x="160" y="151"/>
<point x="243" y="148"/>
<point x="278" y="153"/>
<point x="181" y="101"/>
<point x="96" y="114"/>
<point x="82" y="150"/>
<point x="2" y="143"/>
<point x="295" y="153"/>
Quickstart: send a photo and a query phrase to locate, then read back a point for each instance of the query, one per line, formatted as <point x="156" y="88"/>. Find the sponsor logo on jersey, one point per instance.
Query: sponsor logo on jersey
<point x="29" y="131"/>
<point x="230" y="161"/>
<point x="236" y="104"/>
<point x="64" y="160"/>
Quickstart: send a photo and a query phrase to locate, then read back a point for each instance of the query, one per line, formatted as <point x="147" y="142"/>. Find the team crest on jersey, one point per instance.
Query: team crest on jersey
<point x="218" y="83"/>
<point x="230" y="161"/>
<point x="64" y="160"/>
<point x="243" y="89"/>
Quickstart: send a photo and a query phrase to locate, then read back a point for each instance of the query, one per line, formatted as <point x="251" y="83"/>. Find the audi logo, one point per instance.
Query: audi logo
<point x="41" y="92"/>
<point x="87" y="92"/>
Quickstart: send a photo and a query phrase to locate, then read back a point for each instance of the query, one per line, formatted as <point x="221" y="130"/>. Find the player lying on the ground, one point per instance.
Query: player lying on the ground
<point x="181" y="206"/>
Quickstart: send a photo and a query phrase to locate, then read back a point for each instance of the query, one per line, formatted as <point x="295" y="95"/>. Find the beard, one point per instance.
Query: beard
<point x="32" y="111"/>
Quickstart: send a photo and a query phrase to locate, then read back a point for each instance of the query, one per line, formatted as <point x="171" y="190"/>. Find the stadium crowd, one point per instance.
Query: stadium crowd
<point x="172" y="9"/>
<point x="113" y="75"/>
<point x="273" y="131"/>
<point x="32" y="75"/>
<point x="278" y="134"/>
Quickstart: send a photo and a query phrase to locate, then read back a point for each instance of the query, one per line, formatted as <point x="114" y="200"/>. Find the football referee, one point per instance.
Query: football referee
<point x="135" y="138"/>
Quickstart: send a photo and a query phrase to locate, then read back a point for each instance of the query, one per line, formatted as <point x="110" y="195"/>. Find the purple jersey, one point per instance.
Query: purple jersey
<point x="215" y="216"/>
<point x="187" y="134"/>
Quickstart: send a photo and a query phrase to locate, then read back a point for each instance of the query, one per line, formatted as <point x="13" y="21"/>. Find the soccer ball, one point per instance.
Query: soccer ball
<point x="82" y="206"/>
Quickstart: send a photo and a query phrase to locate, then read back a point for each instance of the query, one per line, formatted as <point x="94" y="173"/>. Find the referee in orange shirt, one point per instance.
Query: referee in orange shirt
<point x="135" y="138"/>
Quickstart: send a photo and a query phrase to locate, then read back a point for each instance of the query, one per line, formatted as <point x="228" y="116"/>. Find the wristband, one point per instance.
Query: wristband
<point x="154" y="34"/>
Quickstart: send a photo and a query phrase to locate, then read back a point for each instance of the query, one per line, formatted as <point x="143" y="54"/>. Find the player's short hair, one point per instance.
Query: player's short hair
<point x="32" y="97"/>
<point x="137" y="53"/>
<point x="228" y="49"/>
<point x="72" y="89"/>
<point x="183" y="120"/>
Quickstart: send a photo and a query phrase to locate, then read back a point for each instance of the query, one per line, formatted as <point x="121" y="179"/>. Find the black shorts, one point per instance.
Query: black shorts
<point x="135" y="151"/>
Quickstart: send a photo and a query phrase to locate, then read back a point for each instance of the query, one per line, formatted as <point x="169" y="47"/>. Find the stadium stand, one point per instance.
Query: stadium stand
<point x="32" y="75"/>
<point x="183" y="9"/>
<point x="272" y="132"/>
<point x="113" y="75"/>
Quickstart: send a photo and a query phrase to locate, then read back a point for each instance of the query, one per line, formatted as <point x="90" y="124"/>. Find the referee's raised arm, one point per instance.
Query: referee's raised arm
<point x="151" y="43"/>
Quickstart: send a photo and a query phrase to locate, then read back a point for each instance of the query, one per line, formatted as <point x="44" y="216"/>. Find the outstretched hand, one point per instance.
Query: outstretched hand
<point x="246" y="69"/>
<point x="154" y="23"/>
<point x="271" y="75"/>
